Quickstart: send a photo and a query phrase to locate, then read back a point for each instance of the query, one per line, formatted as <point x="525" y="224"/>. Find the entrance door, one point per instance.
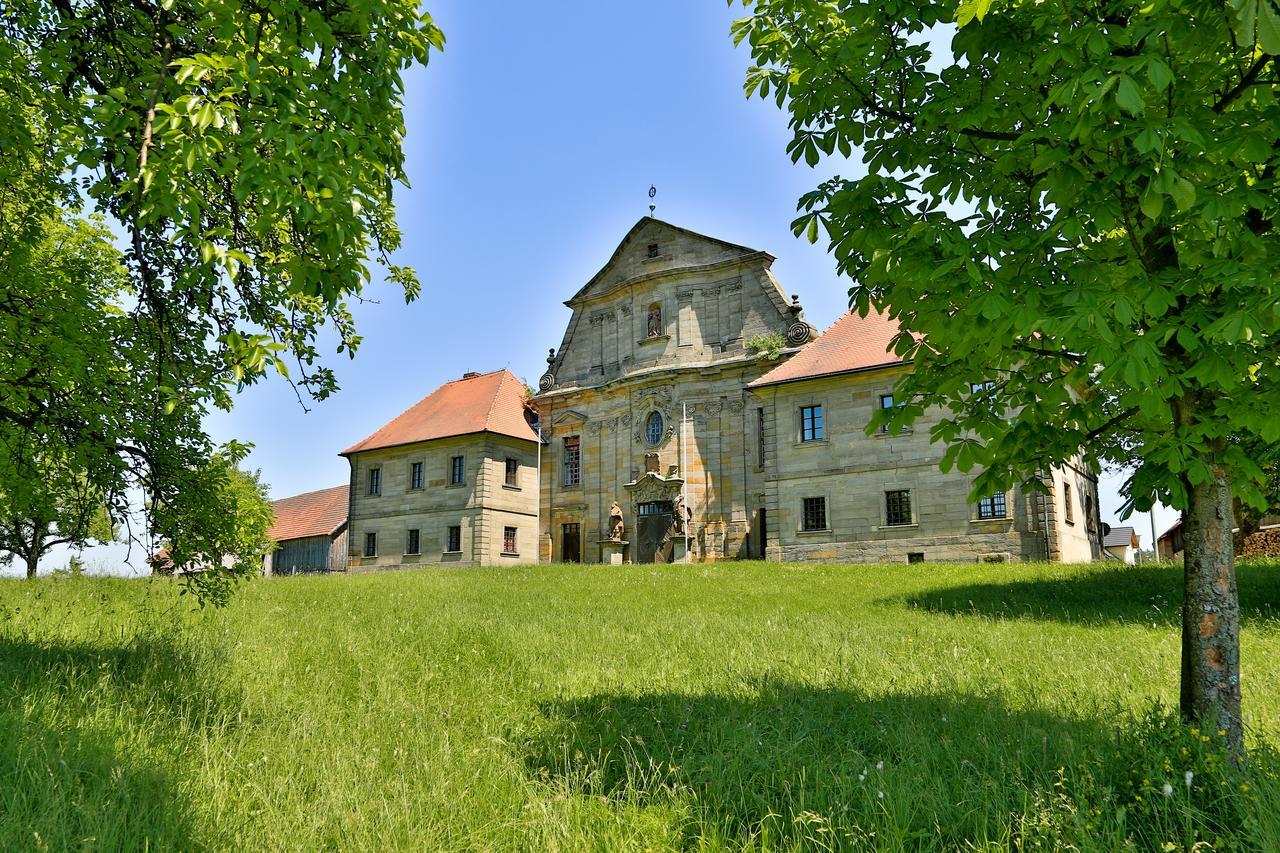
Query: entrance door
<point x="570" y="543"/>
<point x="763" y="533"/>
<point x="653" y="539"/>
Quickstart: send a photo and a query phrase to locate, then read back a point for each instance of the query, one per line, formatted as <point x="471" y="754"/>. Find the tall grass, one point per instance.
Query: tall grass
<point x="735" y="706"/>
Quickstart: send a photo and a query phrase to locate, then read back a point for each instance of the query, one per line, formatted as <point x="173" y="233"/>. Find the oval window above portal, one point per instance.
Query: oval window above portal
<point x="653" y="428"/>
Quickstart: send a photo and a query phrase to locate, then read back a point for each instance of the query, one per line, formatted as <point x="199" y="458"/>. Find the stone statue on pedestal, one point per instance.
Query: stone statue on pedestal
<point x="615" y="522"/>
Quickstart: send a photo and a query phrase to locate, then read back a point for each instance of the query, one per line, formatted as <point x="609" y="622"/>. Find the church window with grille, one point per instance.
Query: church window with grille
<point x="814" y="516"/>
<point x="897" y="507"/>
<point x="994" y="506"/>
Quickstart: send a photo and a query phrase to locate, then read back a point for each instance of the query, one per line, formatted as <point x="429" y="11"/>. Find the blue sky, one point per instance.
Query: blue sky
<point x="532" y="142"/>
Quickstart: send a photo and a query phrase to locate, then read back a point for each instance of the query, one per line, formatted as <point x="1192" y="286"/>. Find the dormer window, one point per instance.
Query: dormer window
<point x="652" y="251"/>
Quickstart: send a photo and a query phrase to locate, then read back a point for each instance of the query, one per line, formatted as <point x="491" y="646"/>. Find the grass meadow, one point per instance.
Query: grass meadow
<point x="734" y="706"/>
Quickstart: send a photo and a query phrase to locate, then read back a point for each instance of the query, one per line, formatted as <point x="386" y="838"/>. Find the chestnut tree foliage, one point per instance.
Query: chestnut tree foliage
<point x="244" y="154"/>
<point x="1076" y="203"/>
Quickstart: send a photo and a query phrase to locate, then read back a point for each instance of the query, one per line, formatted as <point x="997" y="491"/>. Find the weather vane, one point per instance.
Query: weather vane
<point x="653" y="191"/>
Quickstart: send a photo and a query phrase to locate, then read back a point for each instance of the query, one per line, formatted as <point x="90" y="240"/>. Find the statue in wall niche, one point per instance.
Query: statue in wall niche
<point x="615" y="522"/>
<point x="651" y="464"/>
<point x="655" y="320"/>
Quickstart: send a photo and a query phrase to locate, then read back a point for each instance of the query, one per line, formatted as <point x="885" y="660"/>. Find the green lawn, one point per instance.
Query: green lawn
<point x="573" y="708"/>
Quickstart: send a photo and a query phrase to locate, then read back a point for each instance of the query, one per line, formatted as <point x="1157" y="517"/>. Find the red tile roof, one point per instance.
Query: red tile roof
<point x="487" y="402"/>
<point x="852" y="343"/>
<point x="319" y="513"/>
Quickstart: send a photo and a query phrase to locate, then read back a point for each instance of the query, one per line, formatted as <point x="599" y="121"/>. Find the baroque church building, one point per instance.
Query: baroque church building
<point x="691" y="393"/>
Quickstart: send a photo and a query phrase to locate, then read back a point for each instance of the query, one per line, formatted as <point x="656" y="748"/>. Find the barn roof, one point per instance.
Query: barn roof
<point x="319" y="513"/>
<point x="853" y="343"/>
<point x="480" y="402"/>
<point x="1119" y="537"/>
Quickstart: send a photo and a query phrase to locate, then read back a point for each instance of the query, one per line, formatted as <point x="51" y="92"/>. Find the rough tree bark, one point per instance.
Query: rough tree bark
<point x="1211" y="612"/>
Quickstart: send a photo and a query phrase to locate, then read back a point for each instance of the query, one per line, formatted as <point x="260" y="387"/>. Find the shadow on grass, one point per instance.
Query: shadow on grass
<point x="84" y="733"/>
<point x="1144" y="594"/>
<point x="800" y="765"/>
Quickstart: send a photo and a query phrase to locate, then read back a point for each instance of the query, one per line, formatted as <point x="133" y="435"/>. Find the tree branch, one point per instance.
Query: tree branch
<point x="1249" y="78"/>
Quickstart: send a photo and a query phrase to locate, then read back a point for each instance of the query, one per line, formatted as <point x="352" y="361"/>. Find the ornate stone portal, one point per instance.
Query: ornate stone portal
<point x="661" y="518"/>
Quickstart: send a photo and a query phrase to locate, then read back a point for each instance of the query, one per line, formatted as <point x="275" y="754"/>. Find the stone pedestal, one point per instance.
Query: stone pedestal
<point x="611" y="551"/>
<point x="678" y="549"/>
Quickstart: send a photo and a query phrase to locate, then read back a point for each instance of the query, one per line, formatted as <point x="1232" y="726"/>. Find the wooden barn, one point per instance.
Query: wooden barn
<point x="310" y="531"/>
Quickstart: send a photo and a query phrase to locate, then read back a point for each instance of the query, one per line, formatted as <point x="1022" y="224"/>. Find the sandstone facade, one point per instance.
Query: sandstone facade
<point x="664" y="330"/>
<point x="451" y="481"/>
<point x="689" y="389"/>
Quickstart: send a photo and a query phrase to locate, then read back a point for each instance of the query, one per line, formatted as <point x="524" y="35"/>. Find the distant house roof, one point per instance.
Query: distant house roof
<point x="480" y="402"/>
<point x="319" y="513"/>
<point x="853" y="343"/>
<point x="1119" y="537"/>
<point x="1174" y="527"/>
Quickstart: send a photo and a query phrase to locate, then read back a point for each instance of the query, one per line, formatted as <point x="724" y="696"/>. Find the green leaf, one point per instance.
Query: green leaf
<point x="1128" y="97"/>
<point x="970" y="9"/>
<point x="1183" y="193"/>
<point x="1152" y="204"/>
<point x="1158" y="73"/>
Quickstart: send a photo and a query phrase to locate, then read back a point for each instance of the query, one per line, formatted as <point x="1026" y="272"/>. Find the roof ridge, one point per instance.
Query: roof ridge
<point x="312" y="492"/>
<point x="497" y="392"/>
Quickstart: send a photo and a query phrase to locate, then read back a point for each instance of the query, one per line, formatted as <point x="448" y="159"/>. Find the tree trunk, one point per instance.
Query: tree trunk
<point x="1211" y="612"/>
<point x="32" y="562"/>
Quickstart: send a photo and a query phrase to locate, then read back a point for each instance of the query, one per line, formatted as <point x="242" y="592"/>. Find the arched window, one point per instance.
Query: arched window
<point x="655" y="320"/>
<point x="653" y="428"/>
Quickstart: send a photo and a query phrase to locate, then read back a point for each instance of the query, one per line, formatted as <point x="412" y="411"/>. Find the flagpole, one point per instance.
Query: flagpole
<point x="684" y="485"/>
<point x="537" y="524"/>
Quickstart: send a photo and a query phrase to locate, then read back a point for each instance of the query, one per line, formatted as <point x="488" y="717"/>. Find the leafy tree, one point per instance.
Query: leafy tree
<point x="1249" y="517"/>
<point x="62" y="509"/>
<point x="1077" y="203"/>
<point x="219" y="552"/>
<point x="65" y="366"/>
<point x="246" y="154"/>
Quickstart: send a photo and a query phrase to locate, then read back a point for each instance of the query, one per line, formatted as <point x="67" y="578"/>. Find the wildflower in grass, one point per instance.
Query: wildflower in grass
<point x="862" y="777"/>
<point x="1167" y="790"/>
<point x="879" y="765"/>
<point x="880" y="795"/>
<point x="1187" y="777"/>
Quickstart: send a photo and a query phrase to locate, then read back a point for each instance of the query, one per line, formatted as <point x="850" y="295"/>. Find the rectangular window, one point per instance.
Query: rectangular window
<point x="811" y="428"/>
<point x="915" y="557"/>
<point x="455" y="470"/>
<point x="371" y="544"/>
<point x="412" y="542"/>
<point x="513" y="472"/>
<point x="897" y="507"/>
<point x="760" y="437"/>
<point x="415" y="475"/>
<point x="993" y="507"/>
<point x="453" y="539"/>
<point x="815" y="513"/>
<point x="888" y="402"/>
<point x="508" y="540"/>
<point x="375" y="481"/>
<point x="1069" y="504"/>
<point x="572" y="461"/>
